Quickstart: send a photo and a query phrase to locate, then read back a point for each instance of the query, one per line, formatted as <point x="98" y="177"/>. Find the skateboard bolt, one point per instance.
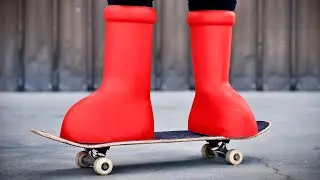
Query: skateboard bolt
<point x="236" y="157"/>
<point x="105" y="166"/>
<point x="211" y="152"/>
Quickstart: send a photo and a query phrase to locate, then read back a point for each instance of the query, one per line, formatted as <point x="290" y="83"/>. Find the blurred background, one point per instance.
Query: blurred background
<point x="57" y="45"/>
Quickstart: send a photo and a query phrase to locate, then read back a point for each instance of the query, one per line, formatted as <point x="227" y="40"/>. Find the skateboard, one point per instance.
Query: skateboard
<point x="94" y="155"/>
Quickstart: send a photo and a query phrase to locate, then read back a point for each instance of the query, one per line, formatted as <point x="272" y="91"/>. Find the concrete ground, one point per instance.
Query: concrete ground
<point x="289" y="150"/>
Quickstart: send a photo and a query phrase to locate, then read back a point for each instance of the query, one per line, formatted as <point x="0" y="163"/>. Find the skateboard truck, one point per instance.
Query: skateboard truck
<point x="95" y="158"/>
<point x="215" y="148"/>
<point x="221" y="150"/>
<point x="100" y="151"/>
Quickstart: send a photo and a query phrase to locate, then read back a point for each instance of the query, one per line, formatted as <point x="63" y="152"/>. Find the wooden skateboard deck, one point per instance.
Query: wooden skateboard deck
<point x="160" y="137"/>
<point x="94" y="154"/>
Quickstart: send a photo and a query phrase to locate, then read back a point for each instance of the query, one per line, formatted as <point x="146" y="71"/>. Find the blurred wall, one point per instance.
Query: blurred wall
<point x="50" y="45"/>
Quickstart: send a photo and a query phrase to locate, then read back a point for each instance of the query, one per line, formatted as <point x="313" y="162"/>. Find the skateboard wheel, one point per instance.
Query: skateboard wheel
<point x="103" y="166"/>
<point x="234" y="157"/>
<point x="207" y="152"/>
<point x="80" y="159"/>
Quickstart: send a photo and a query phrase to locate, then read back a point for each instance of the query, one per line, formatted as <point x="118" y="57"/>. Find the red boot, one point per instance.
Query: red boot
<point x="120" y="110"/>
<point x="218" y="110"/>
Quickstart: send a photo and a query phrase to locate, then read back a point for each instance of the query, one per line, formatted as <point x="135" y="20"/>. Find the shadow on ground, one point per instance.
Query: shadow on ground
<point x="151" y="167"/>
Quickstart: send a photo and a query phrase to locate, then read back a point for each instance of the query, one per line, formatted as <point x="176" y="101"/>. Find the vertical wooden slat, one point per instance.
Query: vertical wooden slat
<point x="244" y="56"/>
<point x="21" y="46"/>
<point x="38" y="55"/>
<point x="308" y="44"/>
<point x="89" y="46"/>
<point x="276" y="45"/>
<point x="293" y="45"/>
<point x="259" y="42"/>
<point x="9" y="44"/>
<point x="175" y="48"/>
<point x="55" y="45"/>
<point x="188" y="54"/>
<point x="156" y="81"/>
<point x="72" y="45"/>
<point x="98" y="40"/>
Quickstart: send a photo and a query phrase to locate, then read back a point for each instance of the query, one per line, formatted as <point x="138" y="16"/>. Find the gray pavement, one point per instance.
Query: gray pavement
<point x="290" y="150"/>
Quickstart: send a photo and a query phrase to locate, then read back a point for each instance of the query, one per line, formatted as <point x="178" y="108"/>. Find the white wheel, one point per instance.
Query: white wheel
<point x="103" y="166"/>
<point x="80" y="159"/>
<point x="207" y="152"/>
<point x="234" y="157"/>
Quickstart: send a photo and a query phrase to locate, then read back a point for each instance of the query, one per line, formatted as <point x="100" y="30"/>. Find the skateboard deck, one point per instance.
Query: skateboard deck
<point x="160" y="137"/>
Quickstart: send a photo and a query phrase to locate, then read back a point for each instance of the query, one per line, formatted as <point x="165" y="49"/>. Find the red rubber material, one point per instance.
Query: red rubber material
<point x="120" y="110"/>
<point x="217" y="110"/>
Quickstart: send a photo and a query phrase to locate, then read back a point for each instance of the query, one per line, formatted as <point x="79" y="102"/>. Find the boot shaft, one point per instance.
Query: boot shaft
<point x="128" y="46"/>
<point x="211" y="37"/>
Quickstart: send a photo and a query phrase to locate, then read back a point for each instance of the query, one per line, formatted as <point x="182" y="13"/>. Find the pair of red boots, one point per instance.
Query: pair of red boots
<point x="121" y="110"/>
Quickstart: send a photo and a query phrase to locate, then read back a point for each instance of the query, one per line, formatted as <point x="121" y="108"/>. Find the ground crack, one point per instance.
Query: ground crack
<point x="277" y="171"/>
